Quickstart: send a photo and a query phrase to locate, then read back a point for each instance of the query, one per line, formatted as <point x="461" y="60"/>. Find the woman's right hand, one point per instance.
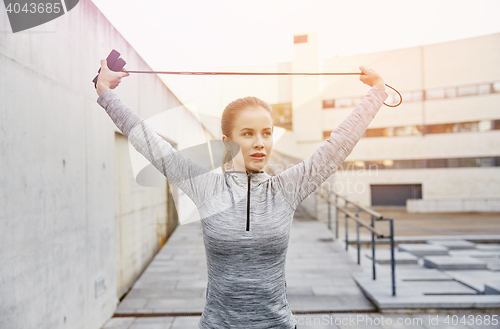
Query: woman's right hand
<point x="108" y="79"/>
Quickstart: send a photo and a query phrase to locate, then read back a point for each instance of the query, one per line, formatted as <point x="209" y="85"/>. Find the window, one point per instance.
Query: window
<point x="467" y="126"/>
<point x="485" y="89"/>
<point x="359" y="164"/>
<point x="420" y="163"/>
<point x="451" y="92"/>
<point x="403" y="164"/>
<point x="436" y="163"/>
<point x="418" y="96"/>
<point x="453" y="162"/>
<point x="300" y="38"/>
<point x="407" y="131"/>
<point x="496" y="87"/>
<point x="486" y="162"/>
<point x="467" y="91"/>
<point x="343" y="102"/>
<point x="388" y="164"/>
<point x="434" y="93"/>
<point x="485" y="125"/>
<point x="439" y="128"/>
<point x="407" y="96"/>
<point x="357" y="100"/>
<point x="468" y="162"/>
<point x="282" y="115"/>
<point x="375" y="132"/>
<point x="330" y="103"/>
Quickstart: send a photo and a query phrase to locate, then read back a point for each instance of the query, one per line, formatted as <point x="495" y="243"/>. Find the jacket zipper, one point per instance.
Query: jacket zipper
<point x="248" y="203"/>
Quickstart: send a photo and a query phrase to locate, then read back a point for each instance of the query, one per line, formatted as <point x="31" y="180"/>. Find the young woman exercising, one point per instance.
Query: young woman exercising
<point x="245" y="213"/>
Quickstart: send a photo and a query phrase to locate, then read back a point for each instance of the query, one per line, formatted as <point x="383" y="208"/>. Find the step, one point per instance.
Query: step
<point x="488" y="246"/>
<point x="473" y="278"/>
<point x="383" y="256"/>
<point x="453" y="244"/>
<point x="493" y="264"/>
<point x="474" y="253"/>
<point x="413" y="273"/>
<point x="423" y="249"/>
<point x="454" y="263"/>
<point x="492" y="287"/>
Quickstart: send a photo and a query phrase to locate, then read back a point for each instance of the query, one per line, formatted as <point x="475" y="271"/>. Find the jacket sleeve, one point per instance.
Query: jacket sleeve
<point x="299" y="181"/>
<point x="196" y="181"/>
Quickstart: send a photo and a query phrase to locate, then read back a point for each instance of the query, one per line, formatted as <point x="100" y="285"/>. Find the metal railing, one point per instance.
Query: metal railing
<point x="375" y="216"/>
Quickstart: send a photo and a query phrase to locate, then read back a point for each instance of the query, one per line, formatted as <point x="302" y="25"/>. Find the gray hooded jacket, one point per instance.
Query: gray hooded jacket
<point x="246" y="216"/>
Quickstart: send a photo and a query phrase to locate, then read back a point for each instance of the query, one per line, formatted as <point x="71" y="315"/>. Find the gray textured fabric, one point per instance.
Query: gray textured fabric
<point x="246" y="216"/>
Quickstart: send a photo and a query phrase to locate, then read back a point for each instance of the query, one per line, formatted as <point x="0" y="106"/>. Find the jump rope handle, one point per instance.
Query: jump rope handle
<point x="115" y="63"/>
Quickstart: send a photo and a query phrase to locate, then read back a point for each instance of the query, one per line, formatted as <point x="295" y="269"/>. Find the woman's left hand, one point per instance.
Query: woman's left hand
<point x="371" y="78"/>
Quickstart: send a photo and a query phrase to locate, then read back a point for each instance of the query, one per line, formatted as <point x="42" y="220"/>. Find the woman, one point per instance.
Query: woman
<point x="246" y="214"/>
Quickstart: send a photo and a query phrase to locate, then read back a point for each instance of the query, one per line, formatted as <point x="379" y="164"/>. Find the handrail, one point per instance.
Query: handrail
<point x="375" y="216"/>
<point x="364" y="208"/>
<point x="354" y="217"/>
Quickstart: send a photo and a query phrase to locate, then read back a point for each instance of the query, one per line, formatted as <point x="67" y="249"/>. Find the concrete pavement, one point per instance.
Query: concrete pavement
<point x="320" y="277"/>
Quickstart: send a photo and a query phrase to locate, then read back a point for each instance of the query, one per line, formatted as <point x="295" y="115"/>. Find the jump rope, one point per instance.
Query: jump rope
<point x="116" y="64"/>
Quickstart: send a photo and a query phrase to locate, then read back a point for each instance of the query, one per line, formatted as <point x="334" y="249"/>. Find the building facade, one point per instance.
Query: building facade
<point x="438" y="151"/>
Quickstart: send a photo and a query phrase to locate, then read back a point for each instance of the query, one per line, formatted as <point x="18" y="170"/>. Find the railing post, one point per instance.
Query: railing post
<point x="329" y="211"/>
<point x="336" y="217"/>
<point x="391" y="232"/>
<point x="373" y="246"/>
<point x="346" y="227"/>
<point x="357" y="235"/>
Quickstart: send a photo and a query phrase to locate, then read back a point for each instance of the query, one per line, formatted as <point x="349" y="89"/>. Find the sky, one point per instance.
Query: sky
<point x="196" y="35"/>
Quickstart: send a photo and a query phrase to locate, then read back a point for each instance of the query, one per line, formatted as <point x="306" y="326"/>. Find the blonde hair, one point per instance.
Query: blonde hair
<point x="229" y="116"/>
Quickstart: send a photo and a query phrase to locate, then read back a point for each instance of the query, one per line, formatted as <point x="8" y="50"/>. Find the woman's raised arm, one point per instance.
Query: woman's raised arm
<point x="302" y="179"/>
<point x="196" y="181"/>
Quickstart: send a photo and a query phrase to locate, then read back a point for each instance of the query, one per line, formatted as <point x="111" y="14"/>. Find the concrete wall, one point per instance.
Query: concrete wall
<point x="143" y="219"/>
<point x="57" y="177"/>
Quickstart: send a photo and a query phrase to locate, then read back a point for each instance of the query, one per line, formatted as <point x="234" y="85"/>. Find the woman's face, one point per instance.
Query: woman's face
<point x="253" y="131"/>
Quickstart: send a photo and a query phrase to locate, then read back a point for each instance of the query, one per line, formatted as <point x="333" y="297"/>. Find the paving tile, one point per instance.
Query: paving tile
<point x="186" y="322"/>
<point x="152" y="323"/>
<point x="118" y="323"/>
<point x="334" y="291"/>
<point x="133" y="303"/>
